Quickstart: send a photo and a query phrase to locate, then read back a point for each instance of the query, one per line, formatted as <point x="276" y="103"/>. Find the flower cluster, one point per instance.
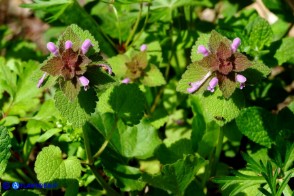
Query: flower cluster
<point x="223" y="63"/>
<point x="137" y="66"/>
<point x="68" y="63"/>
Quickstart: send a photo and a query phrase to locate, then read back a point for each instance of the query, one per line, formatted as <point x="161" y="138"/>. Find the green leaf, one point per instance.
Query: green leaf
<point x="138" y="141"/>
<point x="118" y="64"/>
<point x="4" y="149"/>
<point x="122" y="100"/>
<point x="50" y="166"/>
<point x="170" y="154"/>
<point x="48" y="134"/>
<point x="153" y="77"/>
<point x="256" y="72"/>
<point x="54" y="6"/>
<point x="126" y="177"/>
<point x="216" y="107"/>
<point x="258" y="125"/>
<point x="203" y="39"/>
<point x="198" y="123"/>
<point x="194" y="72"/>
<point x="260" y="33"/>
<point x="77" y="111"/>
<point x="77" y="35"/>
<point x="70" y="12"/>
<point x="16" y="81"/>
<point x="285" y="51"/>
<point x="177" y="176"/>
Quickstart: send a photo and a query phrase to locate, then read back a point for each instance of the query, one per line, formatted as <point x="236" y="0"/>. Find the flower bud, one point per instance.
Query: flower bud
<point x="202" y="50"/>
<point x="126" y="81"/>
<point x="236" y="43"/>
<point x="68" y="44"/>
<point x="143" y="48"/>
<point x="212" y="84"/>
<point x="241" y="79"/>
<point x="41" y="80"/>
<point x="86" y="46"/>
<point x="52" y="48"/>
<point x="84" y="81"/>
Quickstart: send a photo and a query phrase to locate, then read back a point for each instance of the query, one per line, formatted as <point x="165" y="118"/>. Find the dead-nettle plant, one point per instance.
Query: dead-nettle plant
<point x="220" y="65"/>
<point x="70" y="60"/>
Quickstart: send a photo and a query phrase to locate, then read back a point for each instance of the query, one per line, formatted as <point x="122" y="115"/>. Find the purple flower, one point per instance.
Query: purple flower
<point x="68" y="44"/>
<point x="84" y="82"/>
<point x="107" y="67"/>
<point x="212" y="84"/>
<point x="241" y="79"/>
<point x="52" y="48"/>
<point x="196" y="85"/>
<point x="202" y="50"/>
<point x="143" y="48"/>
<point x="41" y="80"/>
<point x="126" y="81"/>
<point x="86" y="46"/>
<point x="236" y="43"/>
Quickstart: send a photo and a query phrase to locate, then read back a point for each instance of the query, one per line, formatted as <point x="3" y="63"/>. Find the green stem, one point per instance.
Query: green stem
<point x="105" y="143"/>
<point x="102" y="182"/>
<point x="210" y="170"/>
<point x="144" y="25"/>
<point x="101" y="149"/>
<point x="24" y="176"/>
<point x="90" y="159"/>
<point x="135" y="27"/>
<point x="218" y="150"/>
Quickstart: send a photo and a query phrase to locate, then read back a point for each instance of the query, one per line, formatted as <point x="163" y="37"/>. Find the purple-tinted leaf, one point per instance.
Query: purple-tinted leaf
<point x="227" y="84"/>
<point x="83" y="61"/>
<point x="71" y="36"/>
<point x="215" y="40"/>
<point x="70" y="88"/>
<point x="241" y="62"/>
<point x="53" y="66"/>
<point x="137" y="65"/>
<point x="223" y="51"/>
<point x="211" y="62"/>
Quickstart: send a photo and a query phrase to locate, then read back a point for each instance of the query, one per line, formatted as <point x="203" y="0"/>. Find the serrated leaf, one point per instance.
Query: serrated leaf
<point x="4" y="149"/>
<point x="203" y="39"/>
<point x="53" y="66"/>
<point x="259" y="32"/>
<point x="177" y="176"/>
<point x="153" y="77"/>
<point x="77" y="111"/>
<point x="50" y="166"/>
<point x="256" y="72"/>
<point x="118" y="64"/>
<point x="122" y="100"/>
<point x="194" y="73"/>
<point x="227" y="85"/>
<point x="258" y="125"/>
<point x="285" y="51"/>
<point x="216" y="107"/>
<point x="70" y="88"/>
<point x="216" y="40"/>
<point x="16" y="80"/>
<point x="77" y="35"/>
